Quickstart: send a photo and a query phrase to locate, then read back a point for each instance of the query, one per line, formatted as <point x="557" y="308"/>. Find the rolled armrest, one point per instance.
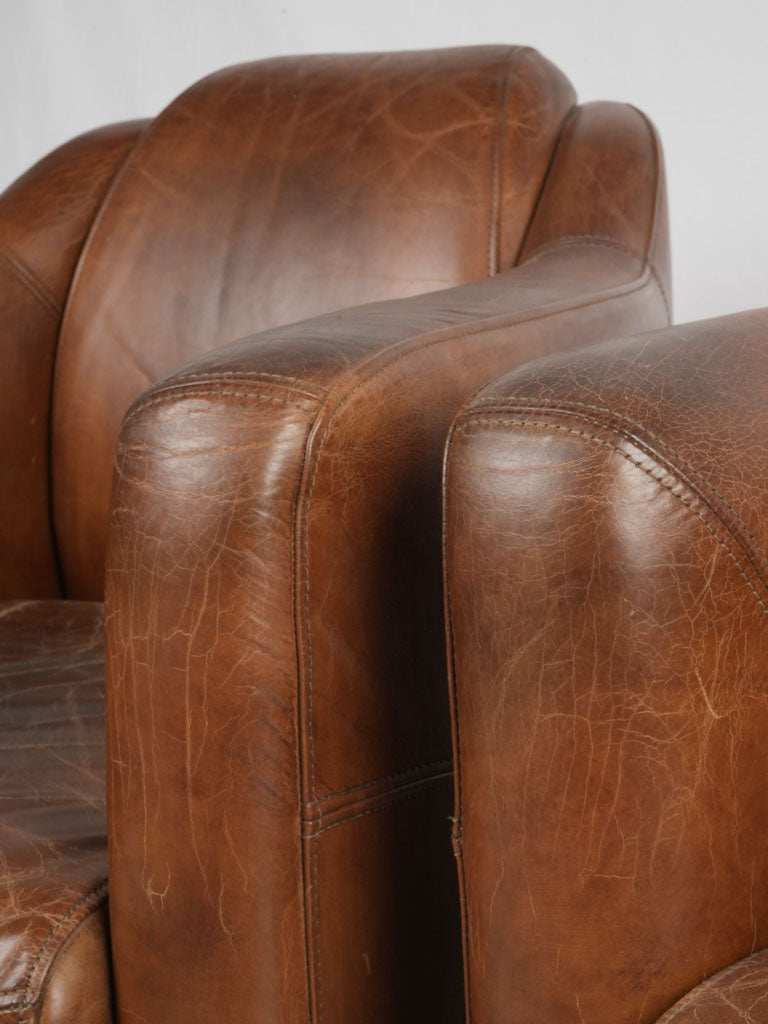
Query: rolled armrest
<point x="737" y="993"/>
<point x="280" y="760"/>
<point x="606" y="530"/>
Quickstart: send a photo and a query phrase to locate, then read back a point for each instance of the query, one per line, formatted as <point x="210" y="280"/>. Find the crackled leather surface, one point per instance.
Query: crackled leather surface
<point x="736" y="995"/>
<point x="44" y="218"/>
<point x="278" y="729"/>
<point x="53" y="864"/>
<point x="607" y="595"/>
<point x="281" y="190"/>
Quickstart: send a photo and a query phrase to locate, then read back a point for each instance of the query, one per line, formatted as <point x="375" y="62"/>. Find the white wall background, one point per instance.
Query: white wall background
<point x="699" y="68"/>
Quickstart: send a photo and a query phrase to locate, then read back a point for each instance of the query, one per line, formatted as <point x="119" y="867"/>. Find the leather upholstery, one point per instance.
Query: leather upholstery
<point x="606" y="529"/>
<point x="737" y="993"/>
<point x="277" y="191"/>
<point x="279" y="748"/>
<point x="277" y="718"/>
<point x="53" y="863"/>
<point x="44" y="218"/>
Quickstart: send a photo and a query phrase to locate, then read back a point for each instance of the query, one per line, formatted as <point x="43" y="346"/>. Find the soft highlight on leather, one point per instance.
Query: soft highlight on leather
<point x="44" y="219"/>
<point x="280" y="190"/>
<point x="606" y="589"/>
<point x="280" y="770"/>
<point x="276" y="661"/>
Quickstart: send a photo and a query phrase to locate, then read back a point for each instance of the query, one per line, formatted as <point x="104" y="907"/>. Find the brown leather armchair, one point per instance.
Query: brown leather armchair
<point x="279" y="763"/>
<point x="607" y="586"/>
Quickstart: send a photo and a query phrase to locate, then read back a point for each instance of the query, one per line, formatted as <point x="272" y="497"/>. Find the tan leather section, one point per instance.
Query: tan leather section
<point x="78" y="987"/>
<point x="279" y="190"/>
<point x="205" y="831"/>
<point x="605" y="531"/>
<point x="597" y="193"/>
<point x="738" y="993"/>
<point x="44" y="217"/>
<point x="241" y="481"/>
<point x="52" y="827"/>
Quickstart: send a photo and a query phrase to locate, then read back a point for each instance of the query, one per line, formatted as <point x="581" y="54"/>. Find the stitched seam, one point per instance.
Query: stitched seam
<point x="653" y="437"/>
<point x="497" y="161"/>
<point x="429" y="785"/>
<point x="212" y="377"/>
<point x="316" y="903"/>
<point x="27" y="277"/>
<point x="635" y="462"/>
<point x="385" y="778"/>
<point x="26" y="986"/>
<point x="405" y="352"/>
<point x="709" y="984"/>
<point x="454" y="699"/>
<point x="169" y="398"/>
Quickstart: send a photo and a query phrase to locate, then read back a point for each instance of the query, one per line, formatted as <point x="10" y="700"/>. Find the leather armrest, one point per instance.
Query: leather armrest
<point x="278" y="729"/>
<point x="737" y="993"/>
<point x="606" y="530"/>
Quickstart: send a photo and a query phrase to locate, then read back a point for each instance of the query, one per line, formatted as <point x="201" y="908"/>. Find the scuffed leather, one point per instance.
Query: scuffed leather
<point x="736" y="995"/>
<point x="275" y="648"/>
<point x="281" y="190"/>
<point x="54" y="965"/>
<point x="606" y="588"/>
<point x="44" y="218"/>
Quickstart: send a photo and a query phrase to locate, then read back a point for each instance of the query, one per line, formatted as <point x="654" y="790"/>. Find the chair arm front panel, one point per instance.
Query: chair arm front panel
<point x="606" y="523"/>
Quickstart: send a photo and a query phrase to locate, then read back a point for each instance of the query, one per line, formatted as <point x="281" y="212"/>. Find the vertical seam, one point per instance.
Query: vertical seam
<point x="454" y="701"/>
<point x="504" y="89"/>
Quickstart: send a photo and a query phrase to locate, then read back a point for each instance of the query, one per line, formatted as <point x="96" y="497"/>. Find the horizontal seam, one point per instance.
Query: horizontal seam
<point x="25" y="986"/>
<point x="289" y="383"/>
<point x="462" y="428"/>
<point x="428" y="785"/>
<point x="649" y="433"/>
<point x="27" y="277"/>
<point x="168" y="396"/>
<point x="385" y="778"/>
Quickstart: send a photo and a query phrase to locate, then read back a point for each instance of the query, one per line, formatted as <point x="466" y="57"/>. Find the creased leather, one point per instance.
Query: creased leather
<point x="53" y="865"/>
<point x="281" y="190"/>
<point x="606" y="581"/>
<point x="44" y="218"/>
<point x="738" y="993"/>
<point x="276" y="663"/>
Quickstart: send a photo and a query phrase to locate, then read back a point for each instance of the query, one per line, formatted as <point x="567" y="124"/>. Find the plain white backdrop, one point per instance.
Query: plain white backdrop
<point x="698" y="68"/>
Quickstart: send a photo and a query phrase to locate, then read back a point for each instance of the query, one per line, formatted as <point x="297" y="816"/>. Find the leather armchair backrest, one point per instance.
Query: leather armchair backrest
<point x="275" y="191"/>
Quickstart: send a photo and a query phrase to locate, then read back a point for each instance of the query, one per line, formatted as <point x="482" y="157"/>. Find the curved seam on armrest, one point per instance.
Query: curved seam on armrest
<point x="27" y="277"/>
<point x="169" y="397"/>
<point x="97" y="894"/>
<point x="547" y="425"/>
<point x="567" y="409"/>
<point x="214" y="376"/>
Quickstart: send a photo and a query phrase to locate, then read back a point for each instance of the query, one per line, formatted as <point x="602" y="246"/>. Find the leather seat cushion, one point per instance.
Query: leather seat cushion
<point x="53" y="862"/>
